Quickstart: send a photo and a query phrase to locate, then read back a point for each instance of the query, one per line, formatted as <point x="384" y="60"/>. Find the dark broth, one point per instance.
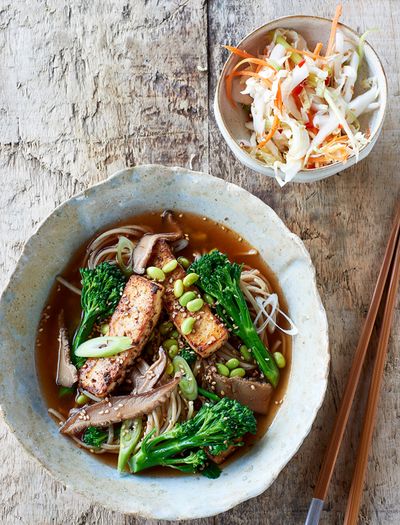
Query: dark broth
<point x="204" y="234"/>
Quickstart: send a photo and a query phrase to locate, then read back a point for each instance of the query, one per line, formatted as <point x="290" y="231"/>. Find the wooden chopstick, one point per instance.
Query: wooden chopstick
<point x="325" y="475"/>
<point x="353" y="503"/>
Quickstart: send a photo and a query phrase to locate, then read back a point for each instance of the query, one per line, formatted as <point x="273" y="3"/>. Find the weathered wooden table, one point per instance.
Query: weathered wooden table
<point x="91" y="87"/>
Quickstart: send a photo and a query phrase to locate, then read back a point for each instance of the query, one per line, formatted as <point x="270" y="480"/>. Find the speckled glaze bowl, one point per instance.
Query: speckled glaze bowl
<point x="138" y="190"/>
<point x="231" y="120"/>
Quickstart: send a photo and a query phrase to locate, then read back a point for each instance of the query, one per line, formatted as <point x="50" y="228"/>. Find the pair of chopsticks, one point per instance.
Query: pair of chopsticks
<point x="388" y="279"/>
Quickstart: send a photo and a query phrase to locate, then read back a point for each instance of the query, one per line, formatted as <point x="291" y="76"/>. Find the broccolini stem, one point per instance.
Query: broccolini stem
<point x="146" y="459"/>
<point x="264" y="359"/>
<point x="209" y="395"/>
<point x="250" y="337"/>
<point x="82" y="333"/>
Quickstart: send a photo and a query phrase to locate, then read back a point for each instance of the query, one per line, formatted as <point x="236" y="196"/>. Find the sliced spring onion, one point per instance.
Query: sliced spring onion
<point x="187" y="384"/>
<point x="129" y="437"/>
<point x="296" y="57"/>
<point x="106" y="346"/>
<point x="125" y="245"/>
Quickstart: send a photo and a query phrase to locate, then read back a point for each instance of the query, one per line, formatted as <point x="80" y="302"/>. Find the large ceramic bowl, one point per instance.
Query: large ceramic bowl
<point x="127" y="192"/>
<point x="231" y="120"/>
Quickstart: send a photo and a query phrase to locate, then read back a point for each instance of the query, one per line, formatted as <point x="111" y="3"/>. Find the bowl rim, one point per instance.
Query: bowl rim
<point x="259" y="489"/>
<point x="304" y="175"/>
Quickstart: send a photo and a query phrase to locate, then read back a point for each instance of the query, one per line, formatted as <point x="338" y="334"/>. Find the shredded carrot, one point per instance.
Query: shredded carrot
<point x="274" y="127"/>
<point x="258" y="61"/>
<point x="341" y="154"/>
<point x="246" y="60"/>
<point x="337" y="139"/>
<point x="331" y="41"/>
<point x="318" y="48"/>
<point x="278" y="100"/>
<point x="247" y="73"/>
<point x="239" y="52"/>
<point x="305" y="53"/>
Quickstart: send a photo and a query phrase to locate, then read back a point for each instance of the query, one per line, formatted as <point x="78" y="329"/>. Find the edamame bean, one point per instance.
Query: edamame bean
<point x="173" y="351"/>
<point x="186" y="297"/>
<point x="178" y="288"/>
<point x="184" y="262"/>
<point x="279" y="360"/>
<point x="170" y="266"/>
<point x="82" y="399"/>
<point x="190" y="279"/>
<point x="168" y="343"/>
<point x="195" y="305"/>
<point x="245" y="353"/>
<point x="155" y="273"/>
<point x="170" y="369"/>
<point x="166" y="327"/>
<point x="208" y="299"/>
<point x="175" y="334"/>
<point x="232" y="363"/>
<point x="104" y="329"/>
<point x="222" y="369"/>
<point x="237" y="372"/>
<point x="187" y="325"/>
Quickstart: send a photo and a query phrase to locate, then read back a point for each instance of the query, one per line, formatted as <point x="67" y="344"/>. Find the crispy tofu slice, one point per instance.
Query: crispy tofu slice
<point x="209" y="334"/>
<point x="136" y="315"/>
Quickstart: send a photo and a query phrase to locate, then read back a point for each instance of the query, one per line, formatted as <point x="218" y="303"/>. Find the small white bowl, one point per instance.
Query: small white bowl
<point x="231" y="121"/>
<point x="134" y="191"/>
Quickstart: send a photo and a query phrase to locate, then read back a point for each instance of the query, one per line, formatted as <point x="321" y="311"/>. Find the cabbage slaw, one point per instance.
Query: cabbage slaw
<point x="303" y="112"/>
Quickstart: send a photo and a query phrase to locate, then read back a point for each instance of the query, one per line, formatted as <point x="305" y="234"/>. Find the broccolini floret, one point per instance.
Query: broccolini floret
<point x="221" y="279"/>
<point x="102" y="288"/>
<point x="188" y="355"/>
<point x="215" y="427"/>
<point x="94" y="437"/>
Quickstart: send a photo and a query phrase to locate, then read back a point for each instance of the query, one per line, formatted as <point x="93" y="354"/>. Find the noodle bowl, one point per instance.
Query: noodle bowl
<point x="116" y="246"/>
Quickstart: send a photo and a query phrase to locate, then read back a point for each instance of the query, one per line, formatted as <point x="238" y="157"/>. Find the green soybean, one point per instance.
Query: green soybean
<point x="178" y="288"/>
<point x="237" y="372"/>
<point x="155" y="273"/>
<point x="166" y="327"/>
<point x="82" y="399"/>
<point x="190" y="279"/>
<point x="222" y="369"/>
<point x="168" y="343"/>
<point x="173" y="351"/>
<point x="186" y="297"/>
<point x="170" y="266"/>
<point x="187" y="325"/>
<point x="175" y="334"/>
<point x="245" y="353"/>
<point x="280" y="359"/>
<point x="170" y="369"/>
<point x="184" y="262"/>
<point x="232" y="363"/>
<point x="195" y="305"/>
<point x="104" y="329"/>
<point x="208" y="299"/>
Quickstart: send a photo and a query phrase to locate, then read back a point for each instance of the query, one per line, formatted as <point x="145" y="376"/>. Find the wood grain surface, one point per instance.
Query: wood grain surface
<point x="89" y="87"/>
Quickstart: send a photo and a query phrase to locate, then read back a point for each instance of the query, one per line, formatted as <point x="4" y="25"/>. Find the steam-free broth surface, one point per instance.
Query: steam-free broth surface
<point x="204" y="235"/>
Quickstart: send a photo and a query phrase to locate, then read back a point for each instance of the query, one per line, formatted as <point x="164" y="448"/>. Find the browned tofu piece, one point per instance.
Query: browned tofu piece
<point x="209" y="334"/>
<point x="136" y="315"/>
